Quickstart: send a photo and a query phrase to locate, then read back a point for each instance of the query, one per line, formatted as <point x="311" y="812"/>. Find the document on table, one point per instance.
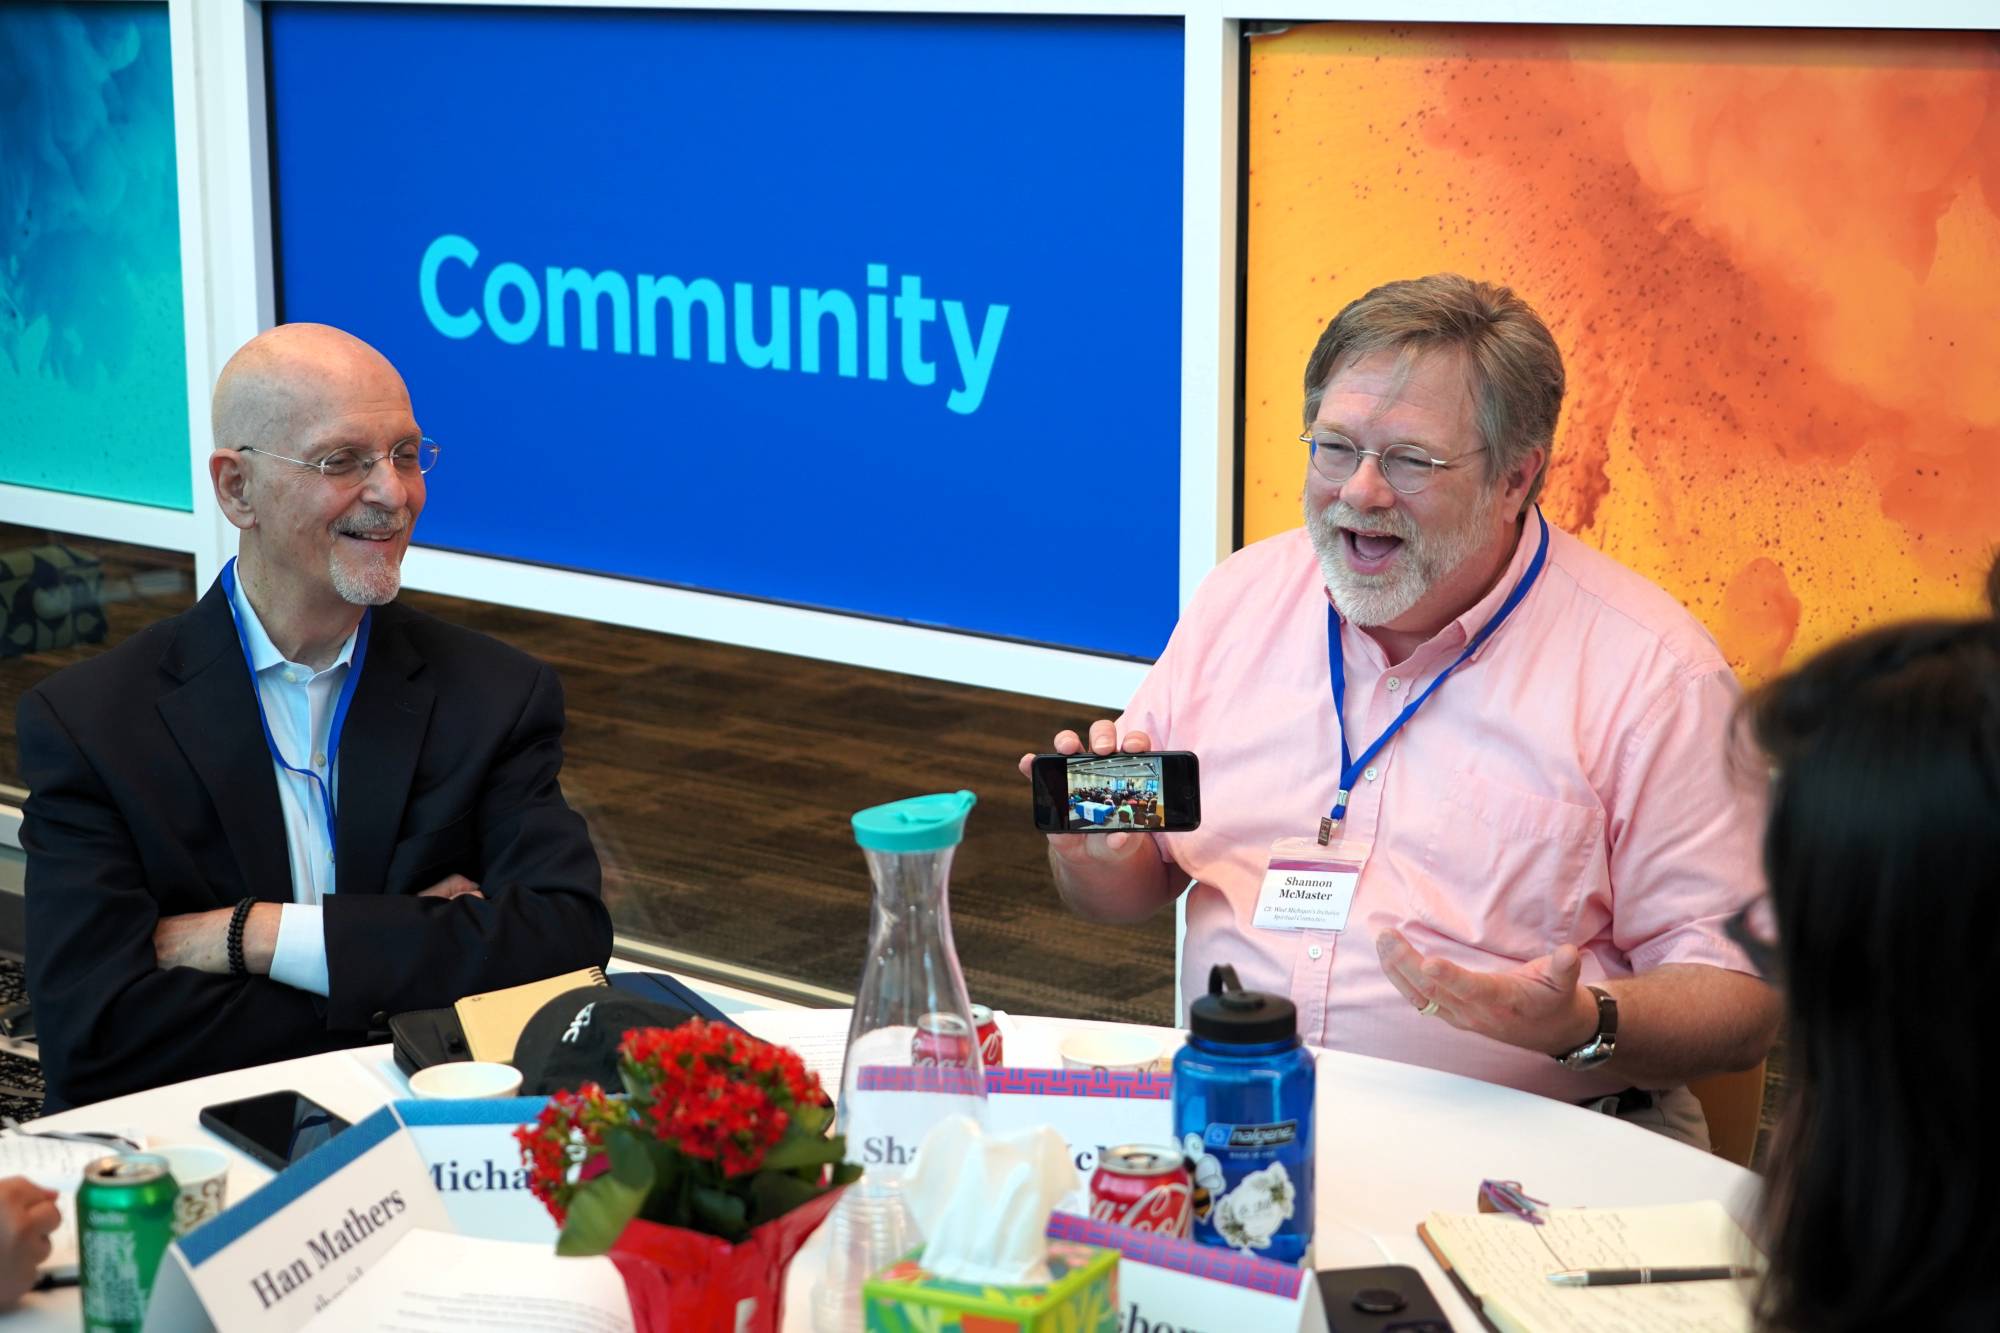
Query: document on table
<point x="436" y="1282"/>
<point x="55" y="1164"/>
<point x="1504" y="1263"/>
<point x="818" y="1035"/>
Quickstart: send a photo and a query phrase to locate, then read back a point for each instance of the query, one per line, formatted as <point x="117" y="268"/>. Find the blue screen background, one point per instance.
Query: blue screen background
<point x="1034" y="163"/>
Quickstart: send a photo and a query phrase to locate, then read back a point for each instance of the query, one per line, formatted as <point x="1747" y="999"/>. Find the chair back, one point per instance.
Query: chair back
<point x="1734" y="1105"/>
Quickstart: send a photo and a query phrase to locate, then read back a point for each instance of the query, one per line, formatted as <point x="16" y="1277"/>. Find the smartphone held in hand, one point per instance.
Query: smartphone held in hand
<point x="1154" y="792"/>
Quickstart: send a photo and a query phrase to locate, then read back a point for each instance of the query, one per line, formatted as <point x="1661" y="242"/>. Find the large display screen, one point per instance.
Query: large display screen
<point x="93" y="338"/>
<point x="1767" y="256"/>
<point x="869" y="313"/>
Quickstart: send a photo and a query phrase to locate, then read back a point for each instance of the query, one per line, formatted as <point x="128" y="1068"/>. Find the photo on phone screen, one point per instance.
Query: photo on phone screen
<point x="1158" y="792"/>
<point x="277" y="1128"/>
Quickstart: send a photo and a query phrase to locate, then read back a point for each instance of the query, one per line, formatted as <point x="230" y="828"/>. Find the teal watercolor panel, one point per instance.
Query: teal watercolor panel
<point x="93" y="363"/>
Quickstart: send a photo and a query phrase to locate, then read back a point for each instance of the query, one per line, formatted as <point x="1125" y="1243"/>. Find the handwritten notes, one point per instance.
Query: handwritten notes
<point x="54" y="1164"/>
<point x="1505" y="1263"/>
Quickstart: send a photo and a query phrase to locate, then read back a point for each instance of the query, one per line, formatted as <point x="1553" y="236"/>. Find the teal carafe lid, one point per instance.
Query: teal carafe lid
<point x="918" y="824"/>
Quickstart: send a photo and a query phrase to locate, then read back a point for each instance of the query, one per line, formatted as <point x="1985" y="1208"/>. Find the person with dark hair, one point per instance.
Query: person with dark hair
<point x="1883" y="859"/>
<point x="1499" y="744"/>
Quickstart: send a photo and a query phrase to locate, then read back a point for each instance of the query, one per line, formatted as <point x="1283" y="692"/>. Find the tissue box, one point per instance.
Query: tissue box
<point x="1081" y="1297"/>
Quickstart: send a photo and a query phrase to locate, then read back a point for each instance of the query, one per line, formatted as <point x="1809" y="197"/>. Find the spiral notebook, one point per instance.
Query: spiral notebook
<point x="493" y="1020"/>
<point x="1501" y="1264"/>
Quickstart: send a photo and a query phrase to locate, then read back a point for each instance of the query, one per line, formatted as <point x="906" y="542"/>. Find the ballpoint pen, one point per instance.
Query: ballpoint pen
<point x="1625" y="1277"/>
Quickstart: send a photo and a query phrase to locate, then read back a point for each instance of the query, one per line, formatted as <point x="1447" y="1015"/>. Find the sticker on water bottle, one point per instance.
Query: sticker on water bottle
<point x="1248" y="1182"/>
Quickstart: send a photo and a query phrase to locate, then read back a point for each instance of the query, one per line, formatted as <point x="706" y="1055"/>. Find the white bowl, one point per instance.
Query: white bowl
<point x="466" y="1080"/>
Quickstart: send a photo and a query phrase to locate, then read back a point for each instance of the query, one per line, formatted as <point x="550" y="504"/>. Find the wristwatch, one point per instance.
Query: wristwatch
<point x="1601" y="1046"/>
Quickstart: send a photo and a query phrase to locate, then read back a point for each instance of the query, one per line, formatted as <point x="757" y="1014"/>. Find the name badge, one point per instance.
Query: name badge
<point x="1309" y="887"/>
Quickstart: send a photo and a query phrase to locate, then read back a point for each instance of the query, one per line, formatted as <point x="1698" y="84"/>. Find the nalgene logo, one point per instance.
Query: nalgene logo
<point x="1253" y="1136"/>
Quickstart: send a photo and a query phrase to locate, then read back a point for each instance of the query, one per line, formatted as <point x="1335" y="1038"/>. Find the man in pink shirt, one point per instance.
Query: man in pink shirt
<point x="1527" y="880"/>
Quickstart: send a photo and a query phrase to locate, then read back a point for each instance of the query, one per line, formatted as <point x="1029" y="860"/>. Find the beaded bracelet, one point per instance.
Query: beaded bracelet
<point x="237" y="920"/>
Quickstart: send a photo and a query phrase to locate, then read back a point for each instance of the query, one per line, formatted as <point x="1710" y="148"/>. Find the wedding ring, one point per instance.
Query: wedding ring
<point x="1428" y="1009"/>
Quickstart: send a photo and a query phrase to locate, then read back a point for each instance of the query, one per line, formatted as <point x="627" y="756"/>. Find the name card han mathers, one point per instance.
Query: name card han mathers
<point x="281" y="1256"/>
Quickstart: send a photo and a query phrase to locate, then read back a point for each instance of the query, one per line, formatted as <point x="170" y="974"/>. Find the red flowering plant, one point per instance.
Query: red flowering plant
<point x="716" y="1132"/>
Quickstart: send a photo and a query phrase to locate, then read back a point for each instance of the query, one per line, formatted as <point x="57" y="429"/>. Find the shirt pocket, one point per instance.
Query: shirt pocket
<point x="1506" y="871"/>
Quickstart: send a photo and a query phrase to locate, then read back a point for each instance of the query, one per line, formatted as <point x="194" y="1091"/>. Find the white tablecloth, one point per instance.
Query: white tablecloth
<point x="1395" y="1143"/>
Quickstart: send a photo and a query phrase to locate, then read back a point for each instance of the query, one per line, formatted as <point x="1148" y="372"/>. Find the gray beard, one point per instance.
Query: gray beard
<point x="378" y="587"/>
<point x="376" y="583"/>
<point x="1378" y="599"/>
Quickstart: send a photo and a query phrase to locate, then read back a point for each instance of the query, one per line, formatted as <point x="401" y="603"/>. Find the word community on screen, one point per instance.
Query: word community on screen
<point x="458" y="308"/>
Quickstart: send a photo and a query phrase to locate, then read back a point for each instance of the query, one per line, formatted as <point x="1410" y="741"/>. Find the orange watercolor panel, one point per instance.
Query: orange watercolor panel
<point x="1772" y="260"/>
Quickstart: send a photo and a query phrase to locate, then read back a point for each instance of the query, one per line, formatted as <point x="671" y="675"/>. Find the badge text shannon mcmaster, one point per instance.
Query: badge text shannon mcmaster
<point x="835" y="333"/>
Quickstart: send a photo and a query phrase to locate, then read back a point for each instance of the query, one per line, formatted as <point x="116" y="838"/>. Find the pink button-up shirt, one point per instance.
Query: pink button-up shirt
<point x="1569" y="784"/>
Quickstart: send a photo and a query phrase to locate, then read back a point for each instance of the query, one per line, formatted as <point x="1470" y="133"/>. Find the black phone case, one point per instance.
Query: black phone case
<point x="1355" y="1300"/>
<point x="236" y="1138"/>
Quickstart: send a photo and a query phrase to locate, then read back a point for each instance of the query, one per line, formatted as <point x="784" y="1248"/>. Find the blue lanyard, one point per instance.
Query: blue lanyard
<point x="339" y="706"/>
<point x="1351" y="768"/>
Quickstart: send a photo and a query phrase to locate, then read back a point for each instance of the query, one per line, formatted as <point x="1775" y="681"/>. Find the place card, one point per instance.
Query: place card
<point x="280" y="1256"/>
<point x="1091" y="1109"/>
<point x="1166" y="1285"/>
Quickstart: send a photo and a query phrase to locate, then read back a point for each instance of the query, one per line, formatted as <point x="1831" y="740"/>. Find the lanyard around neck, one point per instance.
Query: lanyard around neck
<point x="339" y="708"/>
<point x="1352" y="767"/>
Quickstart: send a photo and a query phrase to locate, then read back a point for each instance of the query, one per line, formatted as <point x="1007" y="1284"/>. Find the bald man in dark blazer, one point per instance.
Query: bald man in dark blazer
<point x="180" y="920"/>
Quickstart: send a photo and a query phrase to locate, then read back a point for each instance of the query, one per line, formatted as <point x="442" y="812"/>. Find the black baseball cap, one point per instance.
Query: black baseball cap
<point x="573" y="1039"/>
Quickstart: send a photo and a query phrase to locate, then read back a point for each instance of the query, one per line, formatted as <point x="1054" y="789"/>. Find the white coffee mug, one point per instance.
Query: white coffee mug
<point x="466" y="1080"/>
<point x="202" y="1175"/>
<point x="1110" y="1052"/>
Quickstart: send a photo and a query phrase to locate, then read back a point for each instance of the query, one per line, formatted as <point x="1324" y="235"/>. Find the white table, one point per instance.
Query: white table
<point x="1395" y="1143"/>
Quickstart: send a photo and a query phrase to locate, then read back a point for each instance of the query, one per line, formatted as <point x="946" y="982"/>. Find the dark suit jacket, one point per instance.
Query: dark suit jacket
<point x="151" y="793"/>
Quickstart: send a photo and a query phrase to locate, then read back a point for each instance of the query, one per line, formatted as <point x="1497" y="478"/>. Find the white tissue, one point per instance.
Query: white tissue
<point x="983" y="1201"/>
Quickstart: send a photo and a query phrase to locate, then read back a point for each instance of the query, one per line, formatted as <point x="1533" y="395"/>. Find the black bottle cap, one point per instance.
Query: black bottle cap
<point x="1237" y="1017"/>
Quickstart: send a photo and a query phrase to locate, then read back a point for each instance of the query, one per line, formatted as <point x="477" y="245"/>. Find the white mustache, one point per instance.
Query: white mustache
<point x="1341" y="514"/>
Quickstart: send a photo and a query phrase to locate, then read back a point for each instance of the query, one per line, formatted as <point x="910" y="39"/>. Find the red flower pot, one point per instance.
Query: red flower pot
<point x="681" y="1279"/>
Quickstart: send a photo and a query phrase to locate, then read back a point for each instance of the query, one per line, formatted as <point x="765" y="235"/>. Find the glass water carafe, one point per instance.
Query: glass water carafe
<point x="912" y="1053"/>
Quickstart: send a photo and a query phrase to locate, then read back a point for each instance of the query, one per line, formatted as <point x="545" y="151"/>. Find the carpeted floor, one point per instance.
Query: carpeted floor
<point x="719" y="781"/>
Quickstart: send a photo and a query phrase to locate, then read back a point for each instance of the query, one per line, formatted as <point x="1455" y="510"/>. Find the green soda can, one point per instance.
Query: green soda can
<point x="124" y="1223"/>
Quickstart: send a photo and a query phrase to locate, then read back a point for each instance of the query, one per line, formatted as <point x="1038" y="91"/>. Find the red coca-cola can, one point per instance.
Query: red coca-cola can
<point x="1143" y="1187"/>
<point x="988" y="1033"/>
<point x="943" y="1041"/>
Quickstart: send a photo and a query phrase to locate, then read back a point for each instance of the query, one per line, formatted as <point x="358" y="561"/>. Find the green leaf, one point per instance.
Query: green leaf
<point x="846" y="1173"/>
<point x="799" y="1148"/>
<point x="718" y="1213"/>
<point x="813" y="1118"/>
<point x="599" y="1211"/>
<point x="774" y="1195"/>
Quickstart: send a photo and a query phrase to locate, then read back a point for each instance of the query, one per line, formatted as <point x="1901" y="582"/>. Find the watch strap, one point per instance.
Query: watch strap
<point x="1603" y="1042"/>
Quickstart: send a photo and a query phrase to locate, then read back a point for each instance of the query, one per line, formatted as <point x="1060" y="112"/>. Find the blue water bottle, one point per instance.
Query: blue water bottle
<point x="1243" y="1112"/>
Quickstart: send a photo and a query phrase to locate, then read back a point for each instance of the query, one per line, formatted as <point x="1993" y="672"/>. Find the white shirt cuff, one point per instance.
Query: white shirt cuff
<point x="299" y="957"/>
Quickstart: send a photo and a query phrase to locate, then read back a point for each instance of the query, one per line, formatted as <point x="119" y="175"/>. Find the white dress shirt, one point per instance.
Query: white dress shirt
<point x="298" y="706"/>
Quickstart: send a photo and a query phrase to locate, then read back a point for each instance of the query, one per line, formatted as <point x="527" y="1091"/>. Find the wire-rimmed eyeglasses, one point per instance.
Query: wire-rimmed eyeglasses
<point x="1405" y="467"/>
<point x="349" y="466"/>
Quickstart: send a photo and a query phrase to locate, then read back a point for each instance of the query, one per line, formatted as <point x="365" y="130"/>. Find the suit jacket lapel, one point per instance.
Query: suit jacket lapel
<point x="213" y="718"/>
<point x="386" y="725"/>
